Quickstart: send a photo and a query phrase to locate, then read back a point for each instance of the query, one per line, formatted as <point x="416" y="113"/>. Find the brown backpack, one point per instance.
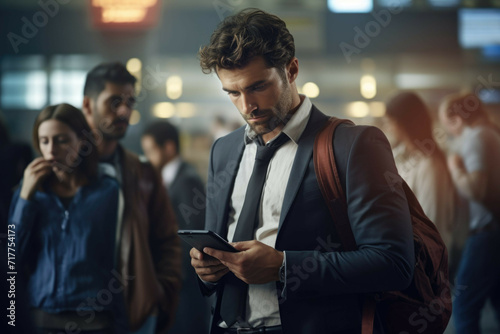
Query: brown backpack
<point x="423" y="307"/>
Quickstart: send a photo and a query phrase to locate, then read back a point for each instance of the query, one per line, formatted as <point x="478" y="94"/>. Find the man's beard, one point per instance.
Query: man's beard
<point x="113" y="136"/>
<point x="280" y="114"/>
<point x="109" y="132"/>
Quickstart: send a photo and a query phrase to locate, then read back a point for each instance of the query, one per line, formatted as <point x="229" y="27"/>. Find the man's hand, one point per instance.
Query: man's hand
<point x="208" y="268"/>
<point x="256" y="263"/>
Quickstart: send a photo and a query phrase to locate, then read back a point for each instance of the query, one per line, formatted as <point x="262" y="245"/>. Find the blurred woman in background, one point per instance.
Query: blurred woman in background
<point x="420" y="161"/>
<point x="475" y="168"/>
<point x="65" y="217"/>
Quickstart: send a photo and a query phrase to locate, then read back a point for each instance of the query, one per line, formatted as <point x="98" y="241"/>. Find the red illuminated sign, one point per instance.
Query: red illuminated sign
<point x="125" y="14"/>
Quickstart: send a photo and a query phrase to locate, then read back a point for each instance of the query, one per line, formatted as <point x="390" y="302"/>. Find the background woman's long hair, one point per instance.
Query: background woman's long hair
<point x="411" y="116"/>
<point x="75" y="119"/>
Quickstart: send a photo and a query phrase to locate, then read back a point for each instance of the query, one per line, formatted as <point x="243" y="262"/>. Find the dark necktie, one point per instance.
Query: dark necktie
<point x="235" y="290"/>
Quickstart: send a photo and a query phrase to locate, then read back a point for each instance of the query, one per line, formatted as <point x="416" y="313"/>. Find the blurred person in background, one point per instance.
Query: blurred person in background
<point x="150" y="253"/>
<point x="420" y="161"/>
<point x="14" y="157"/>
<point x="475" y="171"/>
<point x="161" y="145"/>
<point x="65" y="216"/>
<point x="220" y="127"/>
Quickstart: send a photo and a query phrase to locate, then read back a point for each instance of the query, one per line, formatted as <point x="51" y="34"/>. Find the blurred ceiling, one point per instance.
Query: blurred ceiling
<point x="417" y="49"/>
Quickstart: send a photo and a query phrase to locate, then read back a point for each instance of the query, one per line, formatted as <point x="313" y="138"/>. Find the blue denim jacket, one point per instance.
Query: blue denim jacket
<point x="69" y="254"/>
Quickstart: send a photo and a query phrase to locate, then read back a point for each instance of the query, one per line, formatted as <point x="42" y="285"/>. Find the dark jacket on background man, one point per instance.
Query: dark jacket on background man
<point x="187" y="194"/>
<point x="150" y="254"/>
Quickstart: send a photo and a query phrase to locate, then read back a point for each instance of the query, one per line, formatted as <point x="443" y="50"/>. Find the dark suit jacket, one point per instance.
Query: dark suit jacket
<point x="187" y="195"/>
<point x="324" y="286"/>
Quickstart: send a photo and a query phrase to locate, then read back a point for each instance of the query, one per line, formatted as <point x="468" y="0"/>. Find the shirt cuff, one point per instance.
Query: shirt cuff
<point x="209" y="285"/>
<point x="283" y="281"/>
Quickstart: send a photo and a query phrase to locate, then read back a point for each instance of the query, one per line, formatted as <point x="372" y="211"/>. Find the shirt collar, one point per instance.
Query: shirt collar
<point x="169" y="171"/>
<point x="295" y="126"/>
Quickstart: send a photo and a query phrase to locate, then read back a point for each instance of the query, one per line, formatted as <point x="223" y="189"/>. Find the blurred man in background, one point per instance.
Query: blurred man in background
<point x="161" y="145"/>
<point x="149" y="250"/>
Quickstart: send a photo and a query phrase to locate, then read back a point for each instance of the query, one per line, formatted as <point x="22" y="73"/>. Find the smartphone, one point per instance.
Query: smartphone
<point x="200" y="239"/>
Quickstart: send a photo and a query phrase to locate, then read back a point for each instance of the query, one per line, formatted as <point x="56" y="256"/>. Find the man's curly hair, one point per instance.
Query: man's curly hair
<point x="245" y="35"/>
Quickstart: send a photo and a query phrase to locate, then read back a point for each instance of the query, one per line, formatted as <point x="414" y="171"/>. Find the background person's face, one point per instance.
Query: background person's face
<point x="59" y="144"/>
<point x="111" y="110"/>
<point x="260" y="94"/>
<point x="156" y="156"/>
<point x="452" y="125"/>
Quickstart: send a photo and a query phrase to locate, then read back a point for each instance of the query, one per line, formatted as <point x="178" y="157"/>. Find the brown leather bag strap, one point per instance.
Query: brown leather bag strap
<point x="329" y="182"/>
<point x="331" y="188"/>
<point x="369" y="306"/>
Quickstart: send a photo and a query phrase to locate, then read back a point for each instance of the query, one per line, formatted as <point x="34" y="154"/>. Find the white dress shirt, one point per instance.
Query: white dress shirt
<point x="170" y="170"/>
<point x="262" y="307"/>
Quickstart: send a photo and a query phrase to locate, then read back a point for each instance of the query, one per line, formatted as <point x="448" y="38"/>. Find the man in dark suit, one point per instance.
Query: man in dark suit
<point x="161" y="145"/>
<point x="291" y="275"/>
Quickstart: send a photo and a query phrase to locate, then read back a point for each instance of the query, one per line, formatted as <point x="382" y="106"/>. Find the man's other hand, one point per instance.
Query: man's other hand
<point x="255" y="263"/>
<point x="208" y="268"/>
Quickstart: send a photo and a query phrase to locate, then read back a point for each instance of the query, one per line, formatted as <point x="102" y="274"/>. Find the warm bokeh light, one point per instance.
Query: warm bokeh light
<point x="311" y="90"/>
<point x="134" y="65"/>
<point x="135" y="117"/>
<point x="174" y="87"/>
<point x="368" y="86"/>
<point x="358" y="109"/>
<point x="119" y="11"/>
<point x="164" y="110"/>
<point x="185" y="110"/>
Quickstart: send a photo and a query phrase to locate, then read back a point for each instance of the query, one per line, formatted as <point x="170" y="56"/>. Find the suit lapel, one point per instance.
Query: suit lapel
<point x="302" y="159"/>
<point x="233" y="159"/>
